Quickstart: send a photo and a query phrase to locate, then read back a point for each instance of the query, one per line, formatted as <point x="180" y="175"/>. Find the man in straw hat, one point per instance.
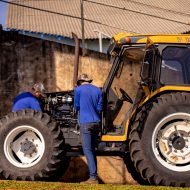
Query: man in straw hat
<point x="29" y="99"/>
<point x="88" y="101"/>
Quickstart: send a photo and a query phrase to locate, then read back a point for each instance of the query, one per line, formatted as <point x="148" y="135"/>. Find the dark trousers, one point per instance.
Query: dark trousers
<point x="89" y="132"/>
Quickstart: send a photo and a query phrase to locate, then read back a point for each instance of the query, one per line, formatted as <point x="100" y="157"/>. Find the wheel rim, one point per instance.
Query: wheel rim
<point x="171" y="142"/>
<point x="24" y="146"/>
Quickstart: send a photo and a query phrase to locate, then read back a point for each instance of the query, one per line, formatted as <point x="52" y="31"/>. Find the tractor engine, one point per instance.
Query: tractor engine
<point x="60" y="106"/>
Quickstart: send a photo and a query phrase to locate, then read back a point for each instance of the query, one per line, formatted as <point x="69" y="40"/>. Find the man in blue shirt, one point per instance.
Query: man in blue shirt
<point x="29" y="99"/>
<point x="88" y="101"/>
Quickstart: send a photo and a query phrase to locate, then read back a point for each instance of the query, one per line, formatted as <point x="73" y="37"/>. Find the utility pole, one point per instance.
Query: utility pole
<point x="82" y="22"/>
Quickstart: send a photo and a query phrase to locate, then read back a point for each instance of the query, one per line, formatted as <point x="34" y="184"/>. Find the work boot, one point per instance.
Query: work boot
<point x="90" y="181"/>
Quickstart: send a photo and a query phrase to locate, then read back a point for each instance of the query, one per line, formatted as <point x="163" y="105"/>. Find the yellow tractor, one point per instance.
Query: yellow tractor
<point x="158" y="123"/>
<point x="155" y="130"/>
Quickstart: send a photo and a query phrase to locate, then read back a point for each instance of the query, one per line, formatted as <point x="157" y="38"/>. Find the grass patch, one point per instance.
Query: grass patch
<point x="73" y="186"/>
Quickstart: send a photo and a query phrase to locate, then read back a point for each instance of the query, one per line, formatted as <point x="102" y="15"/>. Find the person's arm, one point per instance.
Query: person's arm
<point x="35" y="105"/>
<point x="99" y="106"/>
<point x="76" y="100"/>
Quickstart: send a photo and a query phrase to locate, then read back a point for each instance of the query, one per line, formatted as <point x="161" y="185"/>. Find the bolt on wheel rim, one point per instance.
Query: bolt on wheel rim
<point x="24" y="146"/>
<point x="171" y="142"/>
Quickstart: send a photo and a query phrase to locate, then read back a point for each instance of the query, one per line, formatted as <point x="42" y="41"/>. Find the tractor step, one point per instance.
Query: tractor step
<point x="112" y="149"/>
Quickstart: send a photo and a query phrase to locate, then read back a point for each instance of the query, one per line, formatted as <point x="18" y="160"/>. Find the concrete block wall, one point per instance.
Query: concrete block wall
<point x="25" y="61"/>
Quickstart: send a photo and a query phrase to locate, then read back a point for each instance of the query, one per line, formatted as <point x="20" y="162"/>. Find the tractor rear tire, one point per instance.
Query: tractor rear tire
<point x="159" y="141"/>
<point x="31" y="146"/>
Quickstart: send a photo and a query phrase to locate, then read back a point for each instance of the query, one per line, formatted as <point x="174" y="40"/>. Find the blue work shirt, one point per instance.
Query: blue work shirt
<point x="88" y="101"/>
<point x="26" y="100"/>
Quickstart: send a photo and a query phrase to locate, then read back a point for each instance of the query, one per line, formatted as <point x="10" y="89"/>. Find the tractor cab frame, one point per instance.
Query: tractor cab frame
<point x="162" y="64"/>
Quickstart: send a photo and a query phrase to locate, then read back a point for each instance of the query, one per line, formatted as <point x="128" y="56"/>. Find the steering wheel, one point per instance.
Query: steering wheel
<point x="126" y="96"/>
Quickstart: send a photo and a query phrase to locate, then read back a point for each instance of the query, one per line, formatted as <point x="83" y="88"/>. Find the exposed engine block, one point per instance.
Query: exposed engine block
<point x="60" y="106"/>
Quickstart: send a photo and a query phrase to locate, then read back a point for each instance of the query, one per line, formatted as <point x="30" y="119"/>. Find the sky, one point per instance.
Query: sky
<point x="3" y="12"/>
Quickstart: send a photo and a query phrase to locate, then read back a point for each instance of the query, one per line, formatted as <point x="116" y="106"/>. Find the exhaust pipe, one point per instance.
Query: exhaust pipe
<point x="76" y="63"/>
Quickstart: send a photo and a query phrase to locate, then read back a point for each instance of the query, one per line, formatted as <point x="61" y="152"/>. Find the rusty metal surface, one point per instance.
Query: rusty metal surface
<point x="76" y="63"/>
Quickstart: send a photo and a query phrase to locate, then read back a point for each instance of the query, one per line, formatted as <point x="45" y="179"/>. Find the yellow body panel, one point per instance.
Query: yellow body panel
<point x="146" y="90"/>
<point x="155" y="38"/>
<point x="165" y="88"/>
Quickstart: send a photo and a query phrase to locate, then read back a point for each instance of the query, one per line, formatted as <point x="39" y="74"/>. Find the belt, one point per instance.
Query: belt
<point x="93" y="123"/>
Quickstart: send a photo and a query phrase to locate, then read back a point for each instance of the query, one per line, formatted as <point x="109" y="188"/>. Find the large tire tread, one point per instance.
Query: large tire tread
<point x="58" y="144"/>
<point x="141" y="163"/>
